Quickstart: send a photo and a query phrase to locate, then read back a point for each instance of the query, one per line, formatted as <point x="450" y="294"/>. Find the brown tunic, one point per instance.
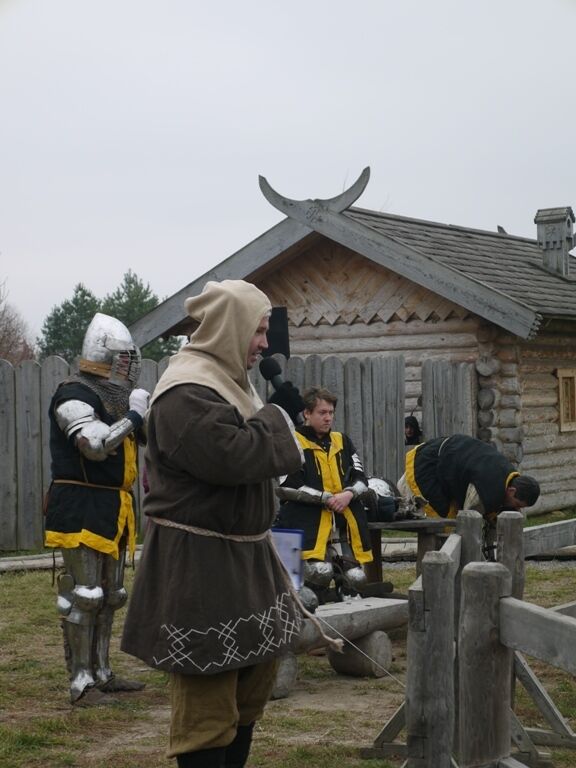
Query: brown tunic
<point x="202" y="605"/>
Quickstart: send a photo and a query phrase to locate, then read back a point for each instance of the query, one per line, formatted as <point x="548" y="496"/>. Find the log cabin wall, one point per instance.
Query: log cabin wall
<point x="340" y="303"/>
<point x="548" y="453"/>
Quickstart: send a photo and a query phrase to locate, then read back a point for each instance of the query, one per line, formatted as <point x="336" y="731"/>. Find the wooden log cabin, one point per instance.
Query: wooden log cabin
<point x="360" y="283"/>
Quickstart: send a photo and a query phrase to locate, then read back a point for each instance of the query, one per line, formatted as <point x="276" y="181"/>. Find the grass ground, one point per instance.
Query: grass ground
<point x="323" y="723"/>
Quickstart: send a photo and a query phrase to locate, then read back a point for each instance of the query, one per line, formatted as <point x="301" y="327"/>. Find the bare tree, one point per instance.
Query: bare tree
<point x="15" y="345"/>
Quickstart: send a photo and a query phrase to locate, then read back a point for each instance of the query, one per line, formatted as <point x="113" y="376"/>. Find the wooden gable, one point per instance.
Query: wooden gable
<point x="329" y="284"/>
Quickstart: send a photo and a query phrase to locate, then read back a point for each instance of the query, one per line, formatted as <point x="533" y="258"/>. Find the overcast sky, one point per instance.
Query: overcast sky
<point x="132" y="132"/>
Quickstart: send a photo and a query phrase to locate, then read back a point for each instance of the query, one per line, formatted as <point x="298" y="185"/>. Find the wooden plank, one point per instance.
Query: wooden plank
<point x="522" y="740"/>
<point x="550" y="739"/>
<point x="388" y="416"/>
<point x="392" y="727"/>
<point x="377" y="329"/>
<point x="548" y="537"/>
<point x="452" y="548"/>
<point x="510" y="548"/>
<point x="8" y="467"/>
<point x="511" y="762"/>
<point x="54" y="370"/>
<point x="352" y="407"/>
<point x="29" y="455"/>
<point x="568" y="609"/>
<point x="539" y="632"/>
<point x="333" y="378"/>
<point x="367" y="395"/>
<point x="312" y="371"/>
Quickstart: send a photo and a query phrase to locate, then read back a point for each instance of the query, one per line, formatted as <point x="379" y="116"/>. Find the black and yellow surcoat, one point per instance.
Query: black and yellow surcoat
<point x="328" y="466"/>
<point x="89" y="502"/>
<point x="441" y="470"/>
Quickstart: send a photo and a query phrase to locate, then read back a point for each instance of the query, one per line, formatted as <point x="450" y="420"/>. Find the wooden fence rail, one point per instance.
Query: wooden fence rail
<point x="466" y="628"/>
<point x="371" y="411"/>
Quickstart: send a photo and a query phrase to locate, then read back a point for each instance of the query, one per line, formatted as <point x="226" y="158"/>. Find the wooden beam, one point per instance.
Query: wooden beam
<point x="539" y="632"/>
<point x="549" y="537"/>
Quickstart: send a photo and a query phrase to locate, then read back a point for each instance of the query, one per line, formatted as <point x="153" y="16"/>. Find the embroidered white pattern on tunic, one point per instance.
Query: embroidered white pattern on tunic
<point x="224" y="638"/>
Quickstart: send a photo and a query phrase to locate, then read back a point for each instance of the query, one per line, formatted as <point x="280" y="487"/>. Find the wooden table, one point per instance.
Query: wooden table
<point x="430" y="532"/>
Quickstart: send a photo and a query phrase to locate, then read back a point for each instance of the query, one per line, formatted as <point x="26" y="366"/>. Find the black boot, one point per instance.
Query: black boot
<point x="202" y="758"/>
<point x="237" y="752"/>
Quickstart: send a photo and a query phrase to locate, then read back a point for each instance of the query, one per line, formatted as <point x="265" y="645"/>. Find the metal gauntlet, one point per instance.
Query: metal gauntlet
<point x="304" y="495"/>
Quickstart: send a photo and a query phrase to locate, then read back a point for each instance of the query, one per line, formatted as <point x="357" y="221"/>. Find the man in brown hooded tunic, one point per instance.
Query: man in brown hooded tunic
<point x="210" y="603"/>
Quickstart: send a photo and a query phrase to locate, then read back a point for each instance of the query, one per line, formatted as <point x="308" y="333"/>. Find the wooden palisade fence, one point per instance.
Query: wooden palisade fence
<point x="468" y="628"/>
<point x="370" y="410"/>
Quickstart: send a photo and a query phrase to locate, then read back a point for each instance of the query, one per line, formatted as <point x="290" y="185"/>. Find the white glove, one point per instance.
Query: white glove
<point x="138" y="401"/>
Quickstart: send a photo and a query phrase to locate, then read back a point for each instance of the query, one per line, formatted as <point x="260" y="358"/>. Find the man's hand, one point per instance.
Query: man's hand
<point x="138" y="401"/>
<point x="287" y="396"/>
<point x="340" y="501"/>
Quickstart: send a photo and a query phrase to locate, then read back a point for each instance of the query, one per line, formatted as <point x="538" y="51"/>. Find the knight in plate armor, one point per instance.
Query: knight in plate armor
<point x="96" y="419"/>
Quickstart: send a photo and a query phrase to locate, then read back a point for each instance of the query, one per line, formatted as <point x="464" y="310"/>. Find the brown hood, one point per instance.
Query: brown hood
<point x="228" y="314"/>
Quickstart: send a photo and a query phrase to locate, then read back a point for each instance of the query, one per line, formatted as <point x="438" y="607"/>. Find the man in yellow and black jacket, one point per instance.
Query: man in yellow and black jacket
<point x="462" y="472"/>
<point x="322" y="498"/>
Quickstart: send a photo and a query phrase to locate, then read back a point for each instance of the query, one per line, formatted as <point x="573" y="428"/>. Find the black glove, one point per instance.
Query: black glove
<point x="287" y="396"/>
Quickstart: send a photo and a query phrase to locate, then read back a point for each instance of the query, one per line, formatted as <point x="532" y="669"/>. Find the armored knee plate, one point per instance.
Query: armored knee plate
<point x="318" y="573"/>
<point x="355" y="577"/>
<point x="76" y="603"/>
<point x="116" y="598"/>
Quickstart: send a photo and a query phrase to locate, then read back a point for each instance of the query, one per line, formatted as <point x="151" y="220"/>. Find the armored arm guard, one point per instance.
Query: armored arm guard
<point x="304" y="495"/>
<point x="94" y="439"/>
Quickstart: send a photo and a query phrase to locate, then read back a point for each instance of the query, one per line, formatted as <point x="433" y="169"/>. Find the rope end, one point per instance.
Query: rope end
<point x="335" y="644"/>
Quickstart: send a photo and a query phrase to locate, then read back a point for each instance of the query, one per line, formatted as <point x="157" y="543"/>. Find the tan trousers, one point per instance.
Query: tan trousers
<point x="207" y="709"/>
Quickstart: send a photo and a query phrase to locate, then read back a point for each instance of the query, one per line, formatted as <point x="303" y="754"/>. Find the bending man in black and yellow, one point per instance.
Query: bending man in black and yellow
<point x="461" y="472"/>
<point x="323" y="500"/>
<point x="94" y="417"/>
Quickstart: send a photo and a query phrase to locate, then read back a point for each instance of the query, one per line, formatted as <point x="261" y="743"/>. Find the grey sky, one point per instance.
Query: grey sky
<point x="132" y="132"/>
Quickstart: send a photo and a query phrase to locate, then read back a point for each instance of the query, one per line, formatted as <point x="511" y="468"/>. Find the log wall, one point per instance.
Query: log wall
<point x="518" y="404"/>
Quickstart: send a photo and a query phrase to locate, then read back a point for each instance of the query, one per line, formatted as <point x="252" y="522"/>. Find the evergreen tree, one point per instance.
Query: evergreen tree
<point x="64" y="328"/>
<point x="131" y="300"/>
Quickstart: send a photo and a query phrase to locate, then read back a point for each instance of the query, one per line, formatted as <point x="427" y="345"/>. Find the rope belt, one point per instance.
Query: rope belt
<point x="206" y="532"/>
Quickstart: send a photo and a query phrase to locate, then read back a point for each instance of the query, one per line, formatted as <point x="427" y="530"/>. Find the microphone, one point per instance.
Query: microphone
<point x="271" y="371"/>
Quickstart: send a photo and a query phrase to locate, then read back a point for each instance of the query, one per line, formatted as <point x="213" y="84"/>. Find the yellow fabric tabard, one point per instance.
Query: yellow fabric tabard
<point x="328" y="471"/>
<point x="126" y="518"/>
<point x="413" y="485"/>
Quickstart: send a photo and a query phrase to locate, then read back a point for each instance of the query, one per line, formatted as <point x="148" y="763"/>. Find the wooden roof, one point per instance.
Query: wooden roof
<point x="492" y="274"/>
<point x="512" y="265"/>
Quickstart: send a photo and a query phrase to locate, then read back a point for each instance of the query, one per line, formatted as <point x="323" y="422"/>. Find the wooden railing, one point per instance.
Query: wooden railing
<point x="467" y="628"/>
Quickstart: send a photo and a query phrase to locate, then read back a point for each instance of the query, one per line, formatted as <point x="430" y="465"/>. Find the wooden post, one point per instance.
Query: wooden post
<point x="469" y="524"/>
<point x="429" y="676"/>
<point x="510" y="548"/>
<point x="484" y="667"/>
